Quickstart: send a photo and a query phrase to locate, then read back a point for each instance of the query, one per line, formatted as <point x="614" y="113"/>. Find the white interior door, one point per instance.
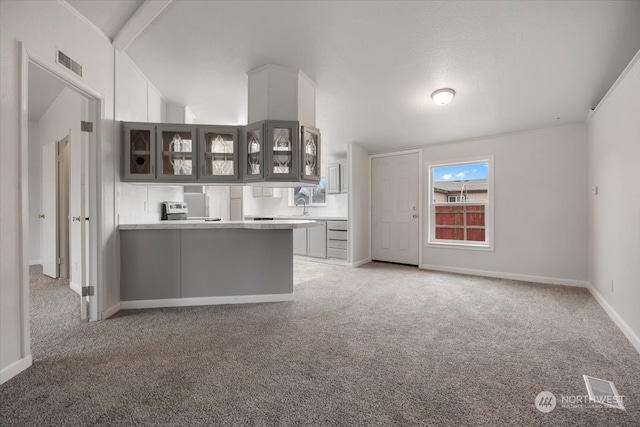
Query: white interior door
<point x="49" y="215"/>
<point x="395" y="208"/>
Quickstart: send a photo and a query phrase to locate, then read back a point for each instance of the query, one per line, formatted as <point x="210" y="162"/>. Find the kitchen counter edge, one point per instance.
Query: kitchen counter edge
<point x="279" y="224"/>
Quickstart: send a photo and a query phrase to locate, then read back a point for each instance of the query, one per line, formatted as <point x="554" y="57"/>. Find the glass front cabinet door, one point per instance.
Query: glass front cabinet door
<point x="218" y="154"/>
<point x="310" y="154"/>
<point x="176" y="152"/>
<point x="253" y="143"/>
<point x="139" y="152"/>
<point x="282" y="151"/>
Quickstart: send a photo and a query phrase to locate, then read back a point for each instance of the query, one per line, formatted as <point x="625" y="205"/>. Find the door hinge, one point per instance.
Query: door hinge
<point x="59" y="260"/>
<point x="88" y="291"/>
<point x="86" y="126"/>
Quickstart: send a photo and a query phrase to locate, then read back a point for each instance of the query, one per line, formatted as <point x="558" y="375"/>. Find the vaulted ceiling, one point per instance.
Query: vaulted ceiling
<point x="515" y="65"/>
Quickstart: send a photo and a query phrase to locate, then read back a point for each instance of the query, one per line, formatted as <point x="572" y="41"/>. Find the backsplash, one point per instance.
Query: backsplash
<point x="141" y="203"/>
<point x="337" y="205"/>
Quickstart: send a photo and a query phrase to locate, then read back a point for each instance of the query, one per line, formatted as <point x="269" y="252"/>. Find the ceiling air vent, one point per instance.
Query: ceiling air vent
<point x="69" y="63"/>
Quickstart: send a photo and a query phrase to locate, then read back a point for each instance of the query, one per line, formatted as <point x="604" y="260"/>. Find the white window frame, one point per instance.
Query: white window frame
<point x="430" y="226"/>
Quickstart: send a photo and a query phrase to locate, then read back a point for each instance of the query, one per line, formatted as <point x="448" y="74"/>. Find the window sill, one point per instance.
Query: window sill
<point x="464" y="246"/>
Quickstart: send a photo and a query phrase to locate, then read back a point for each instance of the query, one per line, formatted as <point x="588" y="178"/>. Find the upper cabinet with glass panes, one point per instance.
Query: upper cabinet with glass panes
<point x="176" y="152"/>
<point x="139" y="149"/>
<point x="281" y="153"/>
<point x="218" y="154"/>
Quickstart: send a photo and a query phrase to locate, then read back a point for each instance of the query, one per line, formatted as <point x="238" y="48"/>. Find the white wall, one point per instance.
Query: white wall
<point x="218" y="201"/>
<point x="337" y="204"/>
<point x="35" y="153"/>
<point x="137" y="100"/>
<point x="614" y="213"/>
<point x="540" y="205"/>
<point x="359" y="205"/>
<point x="61" y="119"/>
<point x="42" y="26"/>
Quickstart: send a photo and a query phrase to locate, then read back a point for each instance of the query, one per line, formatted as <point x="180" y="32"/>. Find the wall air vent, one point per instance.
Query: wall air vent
<point x="69" y="63"/>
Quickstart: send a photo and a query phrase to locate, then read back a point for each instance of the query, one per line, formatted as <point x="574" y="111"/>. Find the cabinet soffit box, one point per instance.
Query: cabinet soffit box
<point x="280" y="147"/>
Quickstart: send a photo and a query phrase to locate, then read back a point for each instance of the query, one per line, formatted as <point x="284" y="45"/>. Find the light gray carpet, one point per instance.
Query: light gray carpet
<point x="377" y="345"/>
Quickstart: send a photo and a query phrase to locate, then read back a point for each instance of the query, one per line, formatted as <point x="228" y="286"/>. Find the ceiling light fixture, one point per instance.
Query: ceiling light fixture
<point x="443" y="96"/>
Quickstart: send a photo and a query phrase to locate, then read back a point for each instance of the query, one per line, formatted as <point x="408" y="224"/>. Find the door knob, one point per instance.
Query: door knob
<point x="415" y="216"/>
<point x="41" y="216"/>
<point x="76" y="218"/>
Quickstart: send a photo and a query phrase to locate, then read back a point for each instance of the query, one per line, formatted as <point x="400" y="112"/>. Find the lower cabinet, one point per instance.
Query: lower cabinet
<point x="311" y="241"/>
<point x="337" y="240"/>
<point x="327" y="240"/>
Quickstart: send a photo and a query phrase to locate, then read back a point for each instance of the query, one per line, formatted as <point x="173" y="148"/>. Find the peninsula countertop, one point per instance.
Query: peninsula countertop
<point x="278" y="224"/>
<point x="300" y="217"/>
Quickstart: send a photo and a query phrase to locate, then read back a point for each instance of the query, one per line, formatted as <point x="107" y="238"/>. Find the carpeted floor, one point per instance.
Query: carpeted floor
<point x="377" y="345"/>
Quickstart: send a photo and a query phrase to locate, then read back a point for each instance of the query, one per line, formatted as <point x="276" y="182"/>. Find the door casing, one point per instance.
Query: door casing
<point x="96" y="107"/>
<point x="420" y="205"/>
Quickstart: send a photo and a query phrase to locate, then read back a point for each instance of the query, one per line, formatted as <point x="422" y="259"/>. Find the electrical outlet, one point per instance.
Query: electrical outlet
<point x="611" y="285"/>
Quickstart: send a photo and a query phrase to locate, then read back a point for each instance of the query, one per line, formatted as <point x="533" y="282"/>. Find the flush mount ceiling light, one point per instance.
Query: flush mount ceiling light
<point x="443" y="96"/>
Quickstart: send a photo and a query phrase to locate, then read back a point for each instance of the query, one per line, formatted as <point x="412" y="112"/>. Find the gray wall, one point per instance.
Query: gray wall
<point x="540" y="204"/>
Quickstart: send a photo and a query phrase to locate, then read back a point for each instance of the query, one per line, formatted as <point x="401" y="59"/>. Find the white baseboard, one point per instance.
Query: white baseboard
<point x="360" y="262"/>
<point x="15" y="368"/>
<point x="620" y="323"/>
<point x="35" y="262"/>
<point x="75" y="288"/>
<point x="185" y="302"/>
<point x="332" y="261"/>
<point x="510" y="276"/>
<point x="110" y="311"/>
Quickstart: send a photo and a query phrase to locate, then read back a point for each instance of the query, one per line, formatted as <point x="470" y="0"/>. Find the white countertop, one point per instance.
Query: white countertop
<point x="301" y="217"/>
<point x="279" y="224"/>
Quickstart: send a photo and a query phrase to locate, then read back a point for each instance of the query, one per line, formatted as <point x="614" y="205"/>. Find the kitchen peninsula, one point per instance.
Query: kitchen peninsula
<point x="196" y="262"/>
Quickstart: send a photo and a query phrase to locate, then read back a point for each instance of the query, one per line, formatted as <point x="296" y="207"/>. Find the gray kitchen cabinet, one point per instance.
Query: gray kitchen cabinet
<point x="317" y="240"/>
<point x="311" y="241"/>
<point x="139" y="152"/>
<point x="290" y="150"/>
<point x="148" y="268"/>
<point x="337" y="239"/>
<point x="252" y="148"/>
<point x="337" y="178"/>
<point x="344" y="178"/>
<point x="282" y="151"/>
<point x="218" y="154"/>
<point x="300" y="241"/>
<point x="333" y="178"/>
<point x="285" y="153"/>
<point x="176" y="152"/>
<point x="310" y="154"/>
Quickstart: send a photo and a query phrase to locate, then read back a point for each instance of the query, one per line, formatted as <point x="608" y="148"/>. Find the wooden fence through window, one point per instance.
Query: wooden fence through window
<point x="464" y="222"/>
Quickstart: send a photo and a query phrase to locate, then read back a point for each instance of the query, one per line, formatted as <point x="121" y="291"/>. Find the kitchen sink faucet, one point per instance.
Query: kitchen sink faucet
<point x="304" y="202"/>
